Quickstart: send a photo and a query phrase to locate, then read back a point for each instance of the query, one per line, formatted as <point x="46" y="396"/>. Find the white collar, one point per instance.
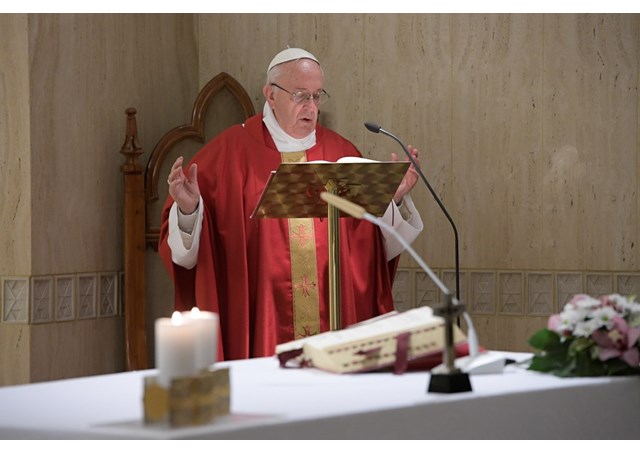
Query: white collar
<point x="284" y="142"/>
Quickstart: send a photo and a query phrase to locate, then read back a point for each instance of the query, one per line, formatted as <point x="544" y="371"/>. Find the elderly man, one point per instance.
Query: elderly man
<point x="268" y="278"/>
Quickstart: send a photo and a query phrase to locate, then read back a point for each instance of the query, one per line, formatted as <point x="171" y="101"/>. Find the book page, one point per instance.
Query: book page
<point x="381" y="325"/>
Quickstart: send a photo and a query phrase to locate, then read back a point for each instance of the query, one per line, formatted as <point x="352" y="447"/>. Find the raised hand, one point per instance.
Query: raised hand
<point x="410" y="178"/>
<point x="182" y="188"/>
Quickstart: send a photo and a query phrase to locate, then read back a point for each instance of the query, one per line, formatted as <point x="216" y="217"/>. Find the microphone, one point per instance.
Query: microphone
<point x="358" y="212"/>
<point x="373" y="127"/>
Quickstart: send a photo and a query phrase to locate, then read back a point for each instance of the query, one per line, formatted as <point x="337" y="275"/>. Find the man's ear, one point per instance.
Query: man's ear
<point x="267" y="90"/>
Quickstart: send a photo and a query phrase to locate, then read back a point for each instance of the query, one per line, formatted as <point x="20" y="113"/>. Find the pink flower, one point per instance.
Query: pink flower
<point x="618" y="342"/>
<point x="554" y="323"/>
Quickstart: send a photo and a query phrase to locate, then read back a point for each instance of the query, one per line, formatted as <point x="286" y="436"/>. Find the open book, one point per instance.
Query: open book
<point x="293" y="190"/>
<point x="342" y="160"/>
<point x="392" y="340"/>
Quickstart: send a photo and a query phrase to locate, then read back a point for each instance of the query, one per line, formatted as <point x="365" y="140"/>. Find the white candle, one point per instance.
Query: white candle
<point x="175" y="348"/>
<point x="207" y="324"/>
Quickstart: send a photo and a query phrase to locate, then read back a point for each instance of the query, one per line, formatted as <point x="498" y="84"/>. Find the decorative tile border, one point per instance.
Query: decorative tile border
<point x="87" y="288"/>
<point x="41" y="300"/>
<point x="540" y="294"/>
<point x="482" y="293"/>
<point x="65" y="299"/>
<point x="567" y="285"/>
<point x="60" y="298"/>
<point x="628" y="284"/>
<point x="121" y="293"/>
<point x="15" y="300"/>
<point x="108" y="291"/>
<point x="509" y="292"/>
<point x="449" y="280"/>
<point x="599" y="284"/>
<point x="427" y="292"/>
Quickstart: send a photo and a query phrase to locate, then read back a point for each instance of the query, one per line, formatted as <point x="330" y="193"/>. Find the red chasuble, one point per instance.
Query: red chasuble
<point x="244" y="271"/>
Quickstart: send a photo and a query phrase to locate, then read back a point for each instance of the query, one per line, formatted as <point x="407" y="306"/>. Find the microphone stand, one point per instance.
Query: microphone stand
<point x="377" y="129"/>
<point x="450" y="379"/>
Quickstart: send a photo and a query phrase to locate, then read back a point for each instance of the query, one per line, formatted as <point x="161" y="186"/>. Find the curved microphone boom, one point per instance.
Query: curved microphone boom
<point x="358" y="212"/>
<point x="373" y="127"/>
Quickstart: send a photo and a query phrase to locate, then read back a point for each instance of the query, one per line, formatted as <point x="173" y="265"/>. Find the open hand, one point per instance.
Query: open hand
<point x="182" y="188"/>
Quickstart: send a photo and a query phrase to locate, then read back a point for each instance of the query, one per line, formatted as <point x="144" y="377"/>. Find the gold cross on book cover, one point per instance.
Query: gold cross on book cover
<point x="293" y="190"/>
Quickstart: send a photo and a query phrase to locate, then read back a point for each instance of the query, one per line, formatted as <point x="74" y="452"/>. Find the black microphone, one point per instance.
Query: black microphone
<point x="373" y="127"/>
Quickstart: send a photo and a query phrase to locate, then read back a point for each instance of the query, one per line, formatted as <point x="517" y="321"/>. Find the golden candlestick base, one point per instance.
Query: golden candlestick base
<point x="192" y="400"/>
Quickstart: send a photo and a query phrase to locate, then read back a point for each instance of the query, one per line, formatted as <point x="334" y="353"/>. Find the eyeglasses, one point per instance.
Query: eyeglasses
<point x="302" y="97"/>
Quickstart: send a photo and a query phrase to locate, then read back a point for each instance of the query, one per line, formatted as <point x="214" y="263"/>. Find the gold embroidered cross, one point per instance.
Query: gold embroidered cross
<point x="301" y="236"/>
<point x="305" y="285"/>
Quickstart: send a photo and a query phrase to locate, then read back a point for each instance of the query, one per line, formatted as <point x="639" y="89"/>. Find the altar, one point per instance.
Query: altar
<point x="269" y="402"/>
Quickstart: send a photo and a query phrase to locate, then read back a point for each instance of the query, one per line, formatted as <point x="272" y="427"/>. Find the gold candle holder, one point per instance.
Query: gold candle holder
<point x="189" y="401"/>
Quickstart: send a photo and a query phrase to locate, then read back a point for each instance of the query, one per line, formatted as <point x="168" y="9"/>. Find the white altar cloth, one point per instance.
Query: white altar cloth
<point x="269" y="402"/>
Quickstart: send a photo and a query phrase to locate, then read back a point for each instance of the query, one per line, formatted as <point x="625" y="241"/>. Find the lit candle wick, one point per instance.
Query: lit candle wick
<point x="176" y="318"/>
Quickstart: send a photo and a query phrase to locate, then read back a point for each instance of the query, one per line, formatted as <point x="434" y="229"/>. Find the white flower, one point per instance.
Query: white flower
<point x="603" y="317"/>
<point x="584" y="303"/>
<point x="568" y="320"/>
<point x="586" y="328"/>
<point x="624" y="305"/>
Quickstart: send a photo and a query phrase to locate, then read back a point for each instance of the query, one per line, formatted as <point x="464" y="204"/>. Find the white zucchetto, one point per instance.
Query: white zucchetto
<point x="290" y="54"/>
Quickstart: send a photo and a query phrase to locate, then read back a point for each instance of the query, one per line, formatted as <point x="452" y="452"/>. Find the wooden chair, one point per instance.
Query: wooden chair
<point x="143" y="201"/>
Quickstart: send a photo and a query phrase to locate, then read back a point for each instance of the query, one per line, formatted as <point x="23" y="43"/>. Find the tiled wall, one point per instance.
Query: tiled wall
<point x="60" y="298"/>
<point x="499" y="293"/>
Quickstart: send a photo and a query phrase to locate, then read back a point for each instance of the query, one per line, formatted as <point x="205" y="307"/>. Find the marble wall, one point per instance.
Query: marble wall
<point x="527" y="126"/>
<point x="528" y="130"/>
<point x="66" y="80"/>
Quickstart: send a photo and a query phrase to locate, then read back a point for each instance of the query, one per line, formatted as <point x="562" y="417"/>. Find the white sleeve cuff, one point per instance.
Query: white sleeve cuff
<point x="184" y="245"/>
<point x="408" y="229"/>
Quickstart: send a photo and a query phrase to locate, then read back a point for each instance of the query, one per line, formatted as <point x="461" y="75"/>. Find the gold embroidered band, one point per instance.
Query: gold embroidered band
<point x="304" y="268"/>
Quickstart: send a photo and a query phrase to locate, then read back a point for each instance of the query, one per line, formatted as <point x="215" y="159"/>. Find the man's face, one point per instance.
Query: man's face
<point x="297" y="120"/>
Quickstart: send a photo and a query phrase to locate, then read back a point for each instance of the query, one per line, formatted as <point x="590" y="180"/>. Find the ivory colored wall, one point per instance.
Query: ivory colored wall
<point x="528" y="130"/>
<point x="65" y="81"/>
<point x="527" y="127"/>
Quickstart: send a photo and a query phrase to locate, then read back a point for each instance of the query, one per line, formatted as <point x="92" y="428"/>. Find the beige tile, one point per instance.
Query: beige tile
<point x="15" y="300"/>
<point x="427" y="292"/>
<point x="65" y="298"/>
<point x="510" y="293"/>
<point x="599" y="284"/>
<point x="628" y="284"/>
<point x="402" y="290"/>
<point x="482" y="293"/>
<point x="41" y="302"/>
<point x="87" y="295"/>
<point x="540" y="294"/>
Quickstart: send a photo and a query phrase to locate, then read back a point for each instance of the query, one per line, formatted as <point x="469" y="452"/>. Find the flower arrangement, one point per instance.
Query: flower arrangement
<point x="590" y="337"/>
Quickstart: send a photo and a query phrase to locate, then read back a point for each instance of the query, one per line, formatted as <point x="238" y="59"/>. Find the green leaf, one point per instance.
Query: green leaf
<point x="545" y="340"/>
<point x="617" y="367"/>
<point x="567" y="370"/>
<point x="579" y="345"/>
<point x="543" y="364"/>
<point x="585" y="366"/>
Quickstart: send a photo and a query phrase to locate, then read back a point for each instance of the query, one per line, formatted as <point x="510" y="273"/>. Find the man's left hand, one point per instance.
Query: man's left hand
<point x="410" y="178"/>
